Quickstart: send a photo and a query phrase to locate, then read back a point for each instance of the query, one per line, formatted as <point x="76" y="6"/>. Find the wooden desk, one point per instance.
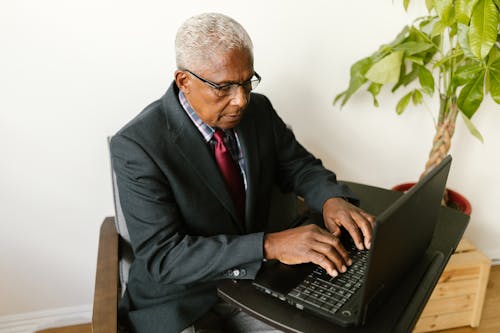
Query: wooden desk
<point x="402" y="309"/>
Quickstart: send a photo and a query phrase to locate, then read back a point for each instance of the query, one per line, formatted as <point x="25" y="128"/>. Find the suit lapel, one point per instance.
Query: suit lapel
<point x="195" y="151"/>
<point x="247" y="135"/>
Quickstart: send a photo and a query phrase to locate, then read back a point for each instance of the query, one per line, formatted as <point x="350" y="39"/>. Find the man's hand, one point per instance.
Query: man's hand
<point x="338" y="212"/>
<point x="309" y="243"/>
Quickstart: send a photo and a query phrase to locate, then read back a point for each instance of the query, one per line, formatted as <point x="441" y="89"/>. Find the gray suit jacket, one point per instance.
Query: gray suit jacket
<point x="183" y="226"/>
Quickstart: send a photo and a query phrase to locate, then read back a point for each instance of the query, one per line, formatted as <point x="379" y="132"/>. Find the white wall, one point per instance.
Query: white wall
<point x="73" y="72"/>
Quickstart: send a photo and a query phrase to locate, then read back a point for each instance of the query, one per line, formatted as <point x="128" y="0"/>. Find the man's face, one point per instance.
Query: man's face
<point x="235" y="66"/>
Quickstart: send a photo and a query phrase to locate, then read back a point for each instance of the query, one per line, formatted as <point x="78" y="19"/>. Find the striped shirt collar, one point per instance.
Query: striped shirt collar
<point x="205" y="130"/>
<point x="208" y="133"/>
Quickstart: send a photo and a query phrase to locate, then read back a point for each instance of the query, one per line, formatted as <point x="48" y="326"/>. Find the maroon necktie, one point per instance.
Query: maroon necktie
<point x="231" y="173"/>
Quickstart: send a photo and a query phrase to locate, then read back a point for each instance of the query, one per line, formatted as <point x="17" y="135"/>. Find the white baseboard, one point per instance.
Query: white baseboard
<point x="30" y="322"/>
<point x="494" y="256"/>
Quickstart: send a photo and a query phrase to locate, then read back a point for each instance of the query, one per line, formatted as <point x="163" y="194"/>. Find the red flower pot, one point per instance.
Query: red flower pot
<point x="455" y="199"/>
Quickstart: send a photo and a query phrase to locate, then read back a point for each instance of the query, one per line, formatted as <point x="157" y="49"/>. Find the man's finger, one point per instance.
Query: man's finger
<point x="369" y="217"/>
<point x="335" y="230"/>
<point x="322" y="261"/>
<point x="351" y="226"/>
<point x="332" y="249"/>
<point x="365" y="226"/>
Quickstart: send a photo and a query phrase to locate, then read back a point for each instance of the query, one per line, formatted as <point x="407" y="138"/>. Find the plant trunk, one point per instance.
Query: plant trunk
<point x="442" y="139"/>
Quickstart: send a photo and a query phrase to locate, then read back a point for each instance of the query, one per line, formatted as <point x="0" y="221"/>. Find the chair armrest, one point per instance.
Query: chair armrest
<point x="105" y="311"/>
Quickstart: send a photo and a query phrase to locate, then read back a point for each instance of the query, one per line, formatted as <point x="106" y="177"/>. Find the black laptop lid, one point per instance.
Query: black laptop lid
<point x="419" y="209"/>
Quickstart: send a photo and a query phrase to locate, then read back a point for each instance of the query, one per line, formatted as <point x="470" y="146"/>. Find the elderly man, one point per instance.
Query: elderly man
<point x="195" y="170"/>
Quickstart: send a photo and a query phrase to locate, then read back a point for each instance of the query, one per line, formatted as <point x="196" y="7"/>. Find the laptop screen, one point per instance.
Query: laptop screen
<point x="407" y="225"/>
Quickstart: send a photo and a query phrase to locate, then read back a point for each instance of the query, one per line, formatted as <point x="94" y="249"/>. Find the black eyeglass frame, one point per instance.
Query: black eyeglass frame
<point x="223" y="89"/>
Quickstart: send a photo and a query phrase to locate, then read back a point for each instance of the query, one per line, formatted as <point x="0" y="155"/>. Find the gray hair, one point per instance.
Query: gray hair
<point x="206" y="35"/>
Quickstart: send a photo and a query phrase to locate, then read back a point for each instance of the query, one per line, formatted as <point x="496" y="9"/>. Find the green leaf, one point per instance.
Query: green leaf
<point x="467" y="73"/>
<point x="374" y="89"/>
<point x="444" y="60"/>
<point x="405" y="4"/>
<point x="483" y="28"/>
<point x="445" y="10"/>
<point x="417" y="97"/>
<point x="472" y="129"/>
<point x="494" y="80"/>
<point x="406" y="79"/>
<point x="400" y="38"/>
<point x="494" y="54"/>
<point x="463" y="39"/>
<point x="403" y="103"/>
<point x="426" y="80"/>
<point x="358" y="71"/>
<point x="425" y="22"/>
<point x="429" y="4"/>
<point x="417" y="60"/>
<point x="338" y="97"/>
<point x="471" y="96"/>
<point x="463" y="10"/>
<point x="387" y="69"/>
<point x="437" y="29"/>
<point x="412" y="47"/>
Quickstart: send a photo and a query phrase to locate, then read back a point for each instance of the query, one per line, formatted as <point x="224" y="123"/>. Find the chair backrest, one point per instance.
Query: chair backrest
<point x="106" y="289"/>
<point x="126" y="254"/>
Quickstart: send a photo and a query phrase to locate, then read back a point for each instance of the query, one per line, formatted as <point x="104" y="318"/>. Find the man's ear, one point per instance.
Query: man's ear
<point x="182" y="81"/>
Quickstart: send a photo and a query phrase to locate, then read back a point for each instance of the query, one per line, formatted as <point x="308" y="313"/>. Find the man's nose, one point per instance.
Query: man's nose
<point x="239" y="96"/>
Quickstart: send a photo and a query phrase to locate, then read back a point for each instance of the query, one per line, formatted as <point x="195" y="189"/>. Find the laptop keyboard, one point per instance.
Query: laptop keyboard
<point x="326" y="293"/>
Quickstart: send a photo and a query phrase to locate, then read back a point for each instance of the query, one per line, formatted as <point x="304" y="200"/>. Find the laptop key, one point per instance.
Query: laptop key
<point x="323" y="298"/>
<point x="315" y="295"/>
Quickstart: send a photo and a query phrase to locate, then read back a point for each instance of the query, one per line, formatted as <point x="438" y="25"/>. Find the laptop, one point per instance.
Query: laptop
<point x="401" y="237"/>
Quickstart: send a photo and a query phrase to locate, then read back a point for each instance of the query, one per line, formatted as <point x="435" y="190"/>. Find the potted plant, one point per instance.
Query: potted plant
<point x="453" y="52"/>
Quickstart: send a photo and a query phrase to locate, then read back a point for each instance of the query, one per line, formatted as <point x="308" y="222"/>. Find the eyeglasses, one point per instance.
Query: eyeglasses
<point x="227" y="89"/>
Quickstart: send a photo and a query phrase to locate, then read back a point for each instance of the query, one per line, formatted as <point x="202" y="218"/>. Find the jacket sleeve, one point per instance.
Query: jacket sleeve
<point x="162" y="244"/>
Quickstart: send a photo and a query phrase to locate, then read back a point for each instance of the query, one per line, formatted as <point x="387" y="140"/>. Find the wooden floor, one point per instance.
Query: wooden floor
<point x="84" y="328"/>
<point x="490" y="320"/>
